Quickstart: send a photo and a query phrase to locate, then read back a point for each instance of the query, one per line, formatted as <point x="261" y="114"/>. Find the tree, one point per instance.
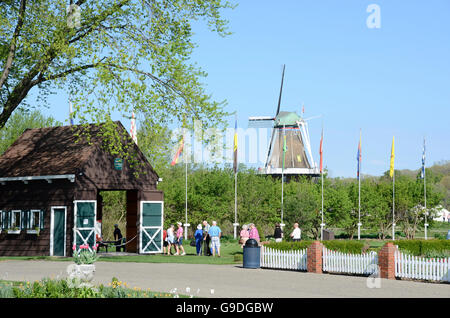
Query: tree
<point x="110" y="56"/>
<point x="19" y="122"/>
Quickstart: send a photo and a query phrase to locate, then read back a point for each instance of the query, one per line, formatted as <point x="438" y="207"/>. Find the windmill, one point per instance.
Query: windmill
<point x="298" y="157"/>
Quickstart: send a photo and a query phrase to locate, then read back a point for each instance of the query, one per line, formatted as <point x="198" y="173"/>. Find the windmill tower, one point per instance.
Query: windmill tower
<point x="298" y="157"/>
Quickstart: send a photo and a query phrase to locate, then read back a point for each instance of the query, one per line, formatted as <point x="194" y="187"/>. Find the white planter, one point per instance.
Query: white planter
<point x="81" y="274"/>
<point x="13" y="231"/>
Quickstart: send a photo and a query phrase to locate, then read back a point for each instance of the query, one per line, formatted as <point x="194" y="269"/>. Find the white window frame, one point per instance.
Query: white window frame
<point x="32" y="229"/>
<point x="13" y="217"/>
<point x="52" y="225"/>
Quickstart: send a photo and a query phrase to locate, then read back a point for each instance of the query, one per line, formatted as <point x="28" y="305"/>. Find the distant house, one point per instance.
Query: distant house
<point x="442" y="215"/>
<point x="50" y="183"/>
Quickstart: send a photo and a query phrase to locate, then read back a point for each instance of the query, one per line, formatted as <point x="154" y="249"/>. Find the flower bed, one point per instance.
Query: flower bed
<point x="49" y="288"/>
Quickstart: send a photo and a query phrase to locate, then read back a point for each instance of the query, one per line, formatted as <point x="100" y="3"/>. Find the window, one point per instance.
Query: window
<point x="34" y="219"/>
<point x="16" y="219"/>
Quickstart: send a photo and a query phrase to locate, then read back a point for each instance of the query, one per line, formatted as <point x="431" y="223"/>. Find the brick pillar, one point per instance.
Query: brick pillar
<point x="314" y="257"/>
<point x="386" y="261"/>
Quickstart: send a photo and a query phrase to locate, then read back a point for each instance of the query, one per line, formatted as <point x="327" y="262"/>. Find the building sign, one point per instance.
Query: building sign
<point x="118" y="163"/>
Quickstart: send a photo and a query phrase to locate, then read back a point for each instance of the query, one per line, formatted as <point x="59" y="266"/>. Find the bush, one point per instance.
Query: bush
<point x="424" y="247"/>
<point x="354" y="247"/>
<point x="289" y="246"/>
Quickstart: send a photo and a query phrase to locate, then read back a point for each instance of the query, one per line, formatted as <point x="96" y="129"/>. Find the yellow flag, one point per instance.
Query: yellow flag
<point x="391" y="171"/>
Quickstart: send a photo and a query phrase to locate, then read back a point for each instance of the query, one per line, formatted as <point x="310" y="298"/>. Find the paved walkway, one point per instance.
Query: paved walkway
<point x="227" y="280"/>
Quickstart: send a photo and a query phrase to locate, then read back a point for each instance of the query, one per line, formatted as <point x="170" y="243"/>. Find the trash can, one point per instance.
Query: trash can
<point x="252" y="253"/>
<point x="328" y="235"/>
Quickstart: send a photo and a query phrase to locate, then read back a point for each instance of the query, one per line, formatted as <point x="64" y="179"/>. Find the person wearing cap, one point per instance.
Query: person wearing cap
<point x="215" y="232"/>
<point x="179" y="240"/>
<point x="117" y="237"/>
<point x="198" y="235"/>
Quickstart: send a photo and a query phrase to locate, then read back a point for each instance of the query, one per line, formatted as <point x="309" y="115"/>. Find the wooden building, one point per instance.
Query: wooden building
<point x="50" y="183"/>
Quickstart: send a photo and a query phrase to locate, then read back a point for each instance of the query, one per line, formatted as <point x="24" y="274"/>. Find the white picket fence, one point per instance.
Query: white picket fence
<point x="294" y="260"/>
<point x="408" y="266"/>
<point x="365" y="264"/>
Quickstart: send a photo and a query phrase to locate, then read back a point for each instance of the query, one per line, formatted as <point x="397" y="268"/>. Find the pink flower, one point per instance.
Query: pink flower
<point x="94" y="248"/>
<point x="74" y="247"/>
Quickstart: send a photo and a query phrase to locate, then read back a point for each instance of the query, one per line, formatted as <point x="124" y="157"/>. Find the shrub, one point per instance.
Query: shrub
<point x="354" y="247"/>
<point x="424" y="247"/>
<point x="289" y="246"/>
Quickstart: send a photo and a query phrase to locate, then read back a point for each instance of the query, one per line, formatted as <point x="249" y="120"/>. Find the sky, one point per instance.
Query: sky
<point x="391" y="80"/>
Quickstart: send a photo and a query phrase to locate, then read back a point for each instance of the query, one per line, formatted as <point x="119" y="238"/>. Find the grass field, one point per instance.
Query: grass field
<point x="228" y="251"/>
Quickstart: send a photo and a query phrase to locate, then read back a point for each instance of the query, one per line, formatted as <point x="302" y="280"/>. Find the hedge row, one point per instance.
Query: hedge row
<point x="424" y="247"/>
<point x="354" y="247"/>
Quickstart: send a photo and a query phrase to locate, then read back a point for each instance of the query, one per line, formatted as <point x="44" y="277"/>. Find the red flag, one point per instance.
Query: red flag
<point x="321" y="152"/>
<point x="177" y="155"/>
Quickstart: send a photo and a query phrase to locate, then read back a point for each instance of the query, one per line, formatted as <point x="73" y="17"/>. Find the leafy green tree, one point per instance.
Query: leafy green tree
<point x="110" y="56"/>
<point x="19" y="122"/>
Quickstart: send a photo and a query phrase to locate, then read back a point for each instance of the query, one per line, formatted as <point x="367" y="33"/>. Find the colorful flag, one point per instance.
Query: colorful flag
<point x="235" y="148"/>
<point x="284" y="146"/>
<point x="358" y="157"/>
<point x="133" y="130"/>
<point x="303" y="109"/>
<point x="70" y="112"/>
<point x="177" y="155"/>
<point x="422" y="173"/>
<point x="391" y="171"/>
<point x="321" y="152"/>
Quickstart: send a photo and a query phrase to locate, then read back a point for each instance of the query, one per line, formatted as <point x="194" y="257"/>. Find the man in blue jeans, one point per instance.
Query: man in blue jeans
<point x="215" y="233"/>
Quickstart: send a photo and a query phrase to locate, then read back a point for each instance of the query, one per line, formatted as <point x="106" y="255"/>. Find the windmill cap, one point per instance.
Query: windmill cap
<point x="287" y="119"/>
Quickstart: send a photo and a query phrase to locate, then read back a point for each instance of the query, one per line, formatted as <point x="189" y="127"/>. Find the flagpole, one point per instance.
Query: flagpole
<point x="235" y="169"/>
<point x="425" y="189"/>
<point x="186" y="224"/>
<point x="235" y="205"/>
<point x="393" y="205"/>
<point x="322" y="224"/>
<point x="282" y="176"/>
<point x="359" y="188"/>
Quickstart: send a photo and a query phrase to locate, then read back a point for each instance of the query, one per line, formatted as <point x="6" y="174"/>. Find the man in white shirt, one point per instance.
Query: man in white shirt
<point x="296" y="233"/>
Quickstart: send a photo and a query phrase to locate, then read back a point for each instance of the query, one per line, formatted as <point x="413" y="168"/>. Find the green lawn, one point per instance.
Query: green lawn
<point x="228" y="251"/>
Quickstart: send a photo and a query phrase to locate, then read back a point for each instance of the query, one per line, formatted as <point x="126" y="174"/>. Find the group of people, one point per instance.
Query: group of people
<point x="206" y="235"/>
<point x="248" y="232"/>
<point x="172" y="238"/>
<point x="295" y="235"/>
<point x="251" y="232"/>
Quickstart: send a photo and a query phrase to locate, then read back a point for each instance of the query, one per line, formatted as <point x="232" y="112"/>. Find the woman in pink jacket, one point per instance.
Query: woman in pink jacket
<point x="253" y="233"/>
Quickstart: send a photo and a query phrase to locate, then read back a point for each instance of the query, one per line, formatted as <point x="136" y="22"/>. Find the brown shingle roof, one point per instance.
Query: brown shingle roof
<point x="48" y="151"/>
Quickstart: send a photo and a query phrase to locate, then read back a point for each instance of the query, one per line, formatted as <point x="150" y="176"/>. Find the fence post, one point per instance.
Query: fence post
<point x="386" y="261"/>
<point x="314" y="257"/>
